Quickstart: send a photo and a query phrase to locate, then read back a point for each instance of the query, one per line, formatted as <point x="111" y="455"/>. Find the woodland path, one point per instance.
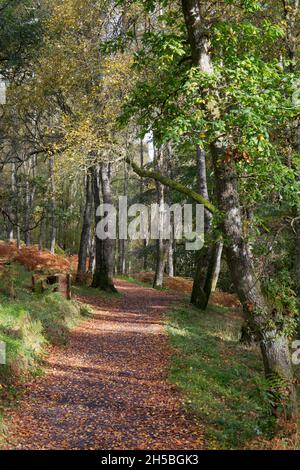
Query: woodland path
<point x="108" y="389"/>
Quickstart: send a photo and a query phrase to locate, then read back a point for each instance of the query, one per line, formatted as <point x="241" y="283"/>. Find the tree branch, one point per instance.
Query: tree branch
<point x="15" y="224"/>
<point x="166" y="181"/>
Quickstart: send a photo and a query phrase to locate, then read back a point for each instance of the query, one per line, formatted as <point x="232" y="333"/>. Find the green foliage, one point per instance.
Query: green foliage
<point x="24" y="340"/>
<point x="248" y="5"/>
<point x="20" y="30"/>
<point x="284" y="301"/>
<point x="59" y="250"/>
<point x="245" y="100"/>
<point x="86" y="311"/>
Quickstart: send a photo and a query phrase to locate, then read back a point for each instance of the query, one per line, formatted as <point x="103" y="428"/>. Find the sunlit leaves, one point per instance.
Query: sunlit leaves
<point x="248" y="5"/>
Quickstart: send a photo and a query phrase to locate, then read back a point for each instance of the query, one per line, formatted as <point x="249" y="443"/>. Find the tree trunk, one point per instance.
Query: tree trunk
<point x="13" y="202"/>
<point x="52" y="205"/>
<point x="217" y="267"/>
<point x="171" y="244"/>
<point x="27" y="214"/>
<point x="16" y="195"/>
<point x="103" y="276"/>
<point x="42" y="235"/>
<point x="30" y="176"/>
<point x="206" y="259"/>
<point x="122" y="242"/>
<point x="98" y="243"/>
<point x="160" y="264"/>
<point x="171" y="261"/>
<point x="291" y="22"/>
<point x="297" y="225"/>
<point x="274" y="345"/>
<point x="142" y="187"/>
<point x="207" y="274"/>
<point x="91" y="267"/>
<point x="297" y="261"/>
<point x="162" y="246"/>
<point x="108" y="244"/>
<point x="86" y="230"/>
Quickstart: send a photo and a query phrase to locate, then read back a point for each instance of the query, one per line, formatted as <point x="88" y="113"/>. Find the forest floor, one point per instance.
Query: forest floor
<point x="108" y="389"/>
<point x="145" y="371"/>
<point x="185" y="286"/>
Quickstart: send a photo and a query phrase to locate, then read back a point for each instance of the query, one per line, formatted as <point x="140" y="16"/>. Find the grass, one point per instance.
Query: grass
<point x="134" y="281"/>
<point x="28" y="323"/>
<point x="93" y="292"/>
<point x="222" y="379"/>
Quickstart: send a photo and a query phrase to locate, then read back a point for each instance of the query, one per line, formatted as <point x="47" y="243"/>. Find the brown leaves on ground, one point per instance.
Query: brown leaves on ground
<point x="287" y="438"/>
<point x="109" y="388"/>
<point x="33" y="259"/>
<point x="185" y="285"/>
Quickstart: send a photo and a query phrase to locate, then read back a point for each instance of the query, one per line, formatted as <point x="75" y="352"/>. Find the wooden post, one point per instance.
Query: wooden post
<point x="69" y="285"/>
<point x="33" y="283"/>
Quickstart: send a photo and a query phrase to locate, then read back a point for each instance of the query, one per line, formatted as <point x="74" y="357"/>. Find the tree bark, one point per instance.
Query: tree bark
<point x="13" y="202"/>
<point x="42" y="235"/>
<point x="290" y="17"/>
<point x="217" y="267"/>
<point x="209" y="258"/>
<point x="160" y="264"/>
<point x="91" y="268"/>
<point x="142" y="186"/>
<point x="52" y="205"/>
<point x="86" y="230"/>
<point x="291" y="13"/>
<point x="171" y="260"/>
<point x="122" y="242"/>
<point x="162" y="245"/>
<point x="108" y="244"/>
<point x="199" y="297"/>
<point x="98" y="243"/>
<point x="103" y="276"/>
<point x="27" y="214"/>
<point x="297" y="225"/>
<point x="16" y="196"/>
<point x="273" y="343"/>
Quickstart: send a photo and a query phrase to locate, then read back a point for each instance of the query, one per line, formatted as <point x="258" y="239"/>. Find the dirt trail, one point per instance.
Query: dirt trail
<point x="108" y="388"/>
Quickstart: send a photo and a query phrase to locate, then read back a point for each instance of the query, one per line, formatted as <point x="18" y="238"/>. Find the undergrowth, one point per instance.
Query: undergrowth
<point x="28" y="323"/>
<point x="222" y="379"/>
